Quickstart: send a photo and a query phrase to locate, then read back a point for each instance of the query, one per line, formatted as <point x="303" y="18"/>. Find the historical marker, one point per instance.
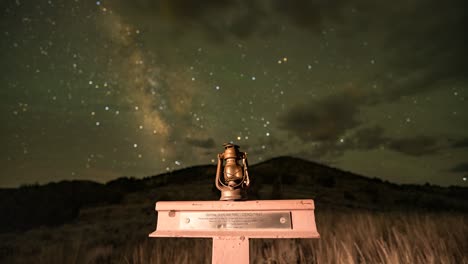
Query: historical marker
<point x="232" y="221"/>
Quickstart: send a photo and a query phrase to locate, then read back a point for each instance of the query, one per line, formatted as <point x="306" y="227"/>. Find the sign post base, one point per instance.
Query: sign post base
<point x="232" y="223"/>
<point x="230" y="250"/>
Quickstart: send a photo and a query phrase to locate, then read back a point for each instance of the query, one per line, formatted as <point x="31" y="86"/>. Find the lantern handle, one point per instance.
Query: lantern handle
<point x="218" y="172"/>
<point x="246" y="174"/>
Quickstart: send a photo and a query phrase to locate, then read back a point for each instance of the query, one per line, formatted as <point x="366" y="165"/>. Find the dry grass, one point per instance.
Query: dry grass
<point x="171" y="250"/>
<point x="345" y="238"/>
<point x="374" y="238"/>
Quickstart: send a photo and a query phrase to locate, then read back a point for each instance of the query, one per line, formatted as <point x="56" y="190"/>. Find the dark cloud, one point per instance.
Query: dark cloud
<point x="461" y="167"/>
<point x="424" y="47"/>
<point x="422" y="44"/>
<point x="367" y="138"/>
<point x="335" y="117"/>
<point x="318" y="152"/>
<point x="221" y="19"/>
<point x="310" y="14"/>
<point x="370" y="138"/>
<point x="415" y="146"/>
<point x="323" y="120"/>
<point x="174" y="9"/>
<point x="208" y="143"/>
<point x="463" y="143"/>
<point x="218" y="19"/>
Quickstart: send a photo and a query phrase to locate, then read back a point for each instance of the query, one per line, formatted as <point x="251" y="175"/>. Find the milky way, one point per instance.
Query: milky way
<point x="103" y="89"/>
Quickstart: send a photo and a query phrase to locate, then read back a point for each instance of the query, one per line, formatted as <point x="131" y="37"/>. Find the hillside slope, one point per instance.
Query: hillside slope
<point x="279" y="178"/>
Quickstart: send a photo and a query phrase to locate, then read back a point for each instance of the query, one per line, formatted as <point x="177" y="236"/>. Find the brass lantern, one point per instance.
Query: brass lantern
<point x="235" y="180"/>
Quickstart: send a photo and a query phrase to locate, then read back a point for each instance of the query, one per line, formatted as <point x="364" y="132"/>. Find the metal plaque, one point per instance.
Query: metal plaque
<point x="234" y="220"/>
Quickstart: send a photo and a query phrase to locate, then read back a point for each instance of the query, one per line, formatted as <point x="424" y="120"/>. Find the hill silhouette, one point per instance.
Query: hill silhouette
<point x="53" y="204"/>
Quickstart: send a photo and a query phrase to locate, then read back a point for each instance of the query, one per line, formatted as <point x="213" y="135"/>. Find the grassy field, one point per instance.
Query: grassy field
<point x="364" y="237"/>
<point x="87" y="222"/>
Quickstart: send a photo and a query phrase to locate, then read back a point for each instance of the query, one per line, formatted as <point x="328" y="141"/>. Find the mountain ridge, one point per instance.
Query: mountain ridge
<point x="282" y="177"/>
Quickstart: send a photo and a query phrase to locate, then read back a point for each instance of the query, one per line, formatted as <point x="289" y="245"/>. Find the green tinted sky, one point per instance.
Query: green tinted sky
<point x="99" y="90"/>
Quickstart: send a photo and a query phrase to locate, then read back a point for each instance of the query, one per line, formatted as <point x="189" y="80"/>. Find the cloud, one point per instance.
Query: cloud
<point x="461" y="167"/>
<point x="416" y="53"/>
<point x="323" y="120"/>
<point x="418" y="45"/>
<point x="423" y="44"/>
<point x="367" y="138"/>
<point x="327" y="121"/>
<point x="217" y="19"/>
<point x="241" y="19"/>
<point x="208" y="143"/>
<point x="370" y="138"/>
<point x="415" y="146"/>
<point x="310" y="14"/>
<point x="463" y="143"/>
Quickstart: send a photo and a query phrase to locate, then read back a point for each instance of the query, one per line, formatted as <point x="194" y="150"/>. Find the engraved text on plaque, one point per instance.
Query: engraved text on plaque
<point x="234" y="220"/>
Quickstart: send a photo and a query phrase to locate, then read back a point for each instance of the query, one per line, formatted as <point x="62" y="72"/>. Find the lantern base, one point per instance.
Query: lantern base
<point x="232" y="195"/>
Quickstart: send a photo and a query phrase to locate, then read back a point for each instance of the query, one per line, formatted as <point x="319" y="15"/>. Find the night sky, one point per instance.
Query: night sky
<point x="103" y="89"/>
